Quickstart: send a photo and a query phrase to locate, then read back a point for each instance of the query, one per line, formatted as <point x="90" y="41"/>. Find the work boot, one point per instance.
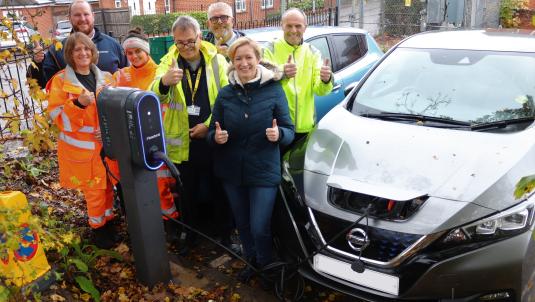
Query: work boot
<point x="172" y="231"/>
<point x="103" y="238"/>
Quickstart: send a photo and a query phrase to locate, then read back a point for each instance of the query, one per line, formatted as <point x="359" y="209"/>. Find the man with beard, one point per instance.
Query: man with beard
<point x="111" y="55"/>
<point x="220" y="22"/>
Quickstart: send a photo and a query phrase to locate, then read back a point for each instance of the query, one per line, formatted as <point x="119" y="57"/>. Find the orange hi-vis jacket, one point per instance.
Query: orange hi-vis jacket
<point x="141" y="78"/>
<point x="80" y="165"/>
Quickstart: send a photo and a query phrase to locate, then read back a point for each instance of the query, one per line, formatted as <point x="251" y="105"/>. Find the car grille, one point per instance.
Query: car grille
<point x="382" y="208"/>
<point x="384" y="245"/>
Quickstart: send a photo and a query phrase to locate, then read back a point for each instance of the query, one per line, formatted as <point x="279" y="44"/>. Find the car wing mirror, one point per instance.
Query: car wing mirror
<point x="350" y="87"/>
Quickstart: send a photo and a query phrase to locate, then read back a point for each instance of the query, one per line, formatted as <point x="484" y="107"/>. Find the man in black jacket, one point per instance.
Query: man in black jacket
<point x="111" y="54"/>
<point x="220" y="23"/>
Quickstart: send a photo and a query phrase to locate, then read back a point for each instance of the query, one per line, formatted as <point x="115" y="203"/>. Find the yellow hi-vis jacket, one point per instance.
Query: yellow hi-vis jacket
<point x="175" y="123"/>
<point x="300" y="89"/>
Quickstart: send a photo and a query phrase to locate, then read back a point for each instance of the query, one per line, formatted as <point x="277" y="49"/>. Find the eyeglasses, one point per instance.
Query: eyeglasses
<point x="222" y="19"/>
<point x="185" y="44"/>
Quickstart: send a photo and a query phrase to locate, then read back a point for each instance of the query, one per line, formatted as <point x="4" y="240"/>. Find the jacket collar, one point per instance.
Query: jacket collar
<point x="265" y="73"/>
<point x="73" y="85"/>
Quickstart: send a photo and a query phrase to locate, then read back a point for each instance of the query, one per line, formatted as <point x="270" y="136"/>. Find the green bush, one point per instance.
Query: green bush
<point x="154" y="24"/>
<point x="305" y="4"/>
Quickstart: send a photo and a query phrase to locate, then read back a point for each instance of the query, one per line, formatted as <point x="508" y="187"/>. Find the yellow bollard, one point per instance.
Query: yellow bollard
<point x="28" y="262"/>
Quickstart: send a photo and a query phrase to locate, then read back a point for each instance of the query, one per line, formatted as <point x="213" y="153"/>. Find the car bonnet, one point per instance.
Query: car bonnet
<point x="401" y="161"/>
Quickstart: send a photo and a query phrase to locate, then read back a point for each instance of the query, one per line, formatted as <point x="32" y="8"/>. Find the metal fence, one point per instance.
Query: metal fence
<point x="403" y="17"/>
<point x="17" y="108"/>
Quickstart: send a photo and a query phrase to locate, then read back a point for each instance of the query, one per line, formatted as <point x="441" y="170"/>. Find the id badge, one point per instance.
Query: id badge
<point x="194" y="110"/>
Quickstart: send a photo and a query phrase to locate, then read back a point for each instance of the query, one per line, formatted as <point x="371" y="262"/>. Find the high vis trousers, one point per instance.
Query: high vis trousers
<point x="99" y="205"/>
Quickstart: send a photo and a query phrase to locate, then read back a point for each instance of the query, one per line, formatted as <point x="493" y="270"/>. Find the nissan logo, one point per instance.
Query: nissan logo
<point x="357" y="239"/>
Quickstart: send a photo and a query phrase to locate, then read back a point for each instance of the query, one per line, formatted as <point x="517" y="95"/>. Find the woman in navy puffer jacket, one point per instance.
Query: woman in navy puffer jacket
<point x="250" y="121"/>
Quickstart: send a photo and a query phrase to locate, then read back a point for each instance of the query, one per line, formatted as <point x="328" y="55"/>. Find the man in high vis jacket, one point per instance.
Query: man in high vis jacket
<point x="305" y="74"/>
<point x="188" y="80"/>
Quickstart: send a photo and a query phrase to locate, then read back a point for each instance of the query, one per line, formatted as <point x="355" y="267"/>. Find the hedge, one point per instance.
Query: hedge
<point x="154" y="24"/>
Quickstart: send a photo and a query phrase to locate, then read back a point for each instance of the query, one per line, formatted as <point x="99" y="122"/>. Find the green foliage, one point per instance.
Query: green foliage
<point x="525" y="186"/>
<point x="154" y="24"/>
<point x="87" y="286"/>
<point x="306" y="4"/>
<point x="78" y="262"/>
<point x="509" y="12"/>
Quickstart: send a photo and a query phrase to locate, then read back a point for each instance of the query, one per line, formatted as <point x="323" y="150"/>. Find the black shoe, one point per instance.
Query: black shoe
<point x="246" y="274"/>
<point x="172" y="231"/>
<point x="103" y="238"/>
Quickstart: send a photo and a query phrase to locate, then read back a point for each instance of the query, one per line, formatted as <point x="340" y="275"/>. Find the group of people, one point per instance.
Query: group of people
<point x="228" y="108"/>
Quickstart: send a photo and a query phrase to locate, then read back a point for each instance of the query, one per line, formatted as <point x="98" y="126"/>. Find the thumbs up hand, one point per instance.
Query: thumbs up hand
<point x="173" y="75"/>
<point x="86" y="98"/>
<point x="221" y="136"/>
<point x="273" y="132"/>
<point x="290" y="69"/>
<point x="325" y="71"/>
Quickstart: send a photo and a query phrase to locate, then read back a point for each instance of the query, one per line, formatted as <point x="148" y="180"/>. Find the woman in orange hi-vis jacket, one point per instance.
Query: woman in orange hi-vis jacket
<point x="72" y="107"/>
<point x="139" y="75"/>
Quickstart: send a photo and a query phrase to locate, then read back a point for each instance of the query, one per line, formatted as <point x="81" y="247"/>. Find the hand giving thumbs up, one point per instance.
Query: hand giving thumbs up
<point x="173" y="75"/>
<point x="86" y="98"/>
<point x="290" y="69"/>
<point x="325" y="71"/>
<point x="273" y="132"/>
<point x="221" y="136"/>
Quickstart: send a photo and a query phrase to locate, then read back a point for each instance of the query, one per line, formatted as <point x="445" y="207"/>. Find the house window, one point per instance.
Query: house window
<point x="267" y="4"/>
<point x="167" y="6"/>
<point x="240" y="6"/>
<point x="117" y="3"/>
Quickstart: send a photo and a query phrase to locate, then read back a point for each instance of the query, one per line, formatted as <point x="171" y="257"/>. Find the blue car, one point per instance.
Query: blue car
<point x="352" y="53"/>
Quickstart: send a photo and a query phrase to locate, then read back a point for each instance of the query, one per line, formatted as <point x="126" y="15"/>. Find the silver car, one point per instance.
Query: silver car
<point x="406" y="190"/>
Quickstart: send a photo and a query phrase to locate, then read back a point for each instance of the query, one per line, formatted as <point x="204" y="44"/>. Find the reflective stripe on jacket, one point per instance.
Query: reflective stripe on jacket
<point x="175" y="122"/>
<point x="80" y="165"/>
<point x="300" y="89"/>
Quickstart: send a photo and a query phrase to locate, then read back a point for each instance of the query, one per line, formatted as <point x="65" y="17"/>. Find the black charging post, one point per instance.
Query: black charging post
<point x="131" y="127"/>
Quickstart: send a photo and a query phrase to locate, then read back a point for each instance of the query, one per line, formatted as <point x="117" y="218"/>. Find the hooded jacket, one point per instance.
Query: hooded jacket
<point x="300" y="89"/>
<point x="175" y="123"/>
<point x="111" y="56"/>
<point x="80" y="165"/>
<point x="246" y="110"/>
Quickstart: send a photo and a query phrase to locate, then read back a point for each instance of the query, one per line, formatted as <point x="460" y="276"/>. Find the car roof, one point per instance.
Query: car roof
<point x="490" y="39"/>
<point x="269" y="33"/>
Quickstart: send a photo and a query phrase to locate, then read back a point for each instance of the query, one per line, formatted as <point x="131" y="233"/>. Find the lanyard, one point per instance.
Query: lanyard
<point x="197" y="80"/>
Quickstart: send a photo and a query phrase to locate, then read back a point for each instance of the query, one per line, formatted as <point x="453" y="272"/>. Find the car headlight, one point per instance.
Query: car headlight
<point x="508" y="223"/>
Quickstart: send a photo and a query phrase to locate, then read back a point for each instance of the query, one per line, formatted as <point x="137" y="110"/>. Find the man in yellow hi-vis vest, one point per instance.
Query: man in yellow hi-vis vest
<point x="305" y="74"/>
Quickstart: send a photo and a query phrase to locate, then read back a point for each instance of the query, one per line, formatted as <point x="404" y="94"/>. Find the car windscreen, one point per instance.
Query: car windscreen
<point x="462" y="85"/>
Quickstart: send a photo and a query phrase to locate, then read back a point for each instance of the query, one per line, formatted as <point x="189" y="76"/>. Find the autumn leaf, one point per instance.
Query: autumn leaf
<point x="58" y="45"/>
<point x="35" y="38"/>
<point x="56" y="297"/>
<point x="15" y="84"/>
<point x="75" y="181"/>
<point x="235" y="297"/>
<point x="524" y="186"/>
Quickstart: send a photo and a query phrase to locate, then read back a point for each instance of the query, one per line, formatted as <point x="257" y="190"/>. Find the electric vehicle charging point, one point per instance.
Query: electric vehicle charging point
<point x="131" y="128"/>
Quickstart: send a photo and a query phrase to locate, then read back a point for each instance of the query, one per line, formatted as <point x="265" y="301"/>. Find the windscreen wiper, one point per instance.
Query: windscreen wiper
<point x="416" y="117"/>
<point x="501" y="124"/>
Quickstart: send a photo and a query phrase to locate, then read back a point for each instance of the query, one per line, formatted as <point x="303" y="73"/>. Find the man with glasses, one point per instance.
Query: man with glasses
<point x="188" y="79"/>
<point x="220" y="23"/>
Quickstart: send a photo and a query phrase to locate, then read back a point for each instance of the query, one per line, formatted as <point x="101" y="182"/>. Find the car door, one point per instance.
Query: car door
<point x="349" y="62"/>
<point x="325" y="103"/>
